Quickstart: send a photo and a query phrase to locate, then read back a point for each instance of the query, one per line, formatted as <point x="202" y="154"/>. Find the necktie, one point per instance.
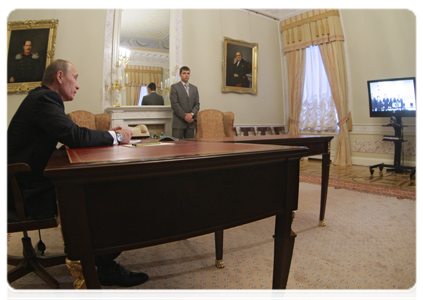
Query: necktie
<point x="187" y="88"/>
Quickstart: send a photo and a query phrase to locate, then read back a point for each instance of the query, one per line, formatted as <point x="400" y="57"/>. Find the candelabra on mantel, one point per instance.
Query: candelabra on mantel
<point x="168" y="82"/>
<point x="116" y="88"/>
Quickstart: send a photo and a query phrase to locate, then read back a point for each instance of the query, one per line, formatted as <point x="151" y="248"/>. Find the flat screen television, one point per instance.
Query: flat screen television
<point x="394" y="97"/>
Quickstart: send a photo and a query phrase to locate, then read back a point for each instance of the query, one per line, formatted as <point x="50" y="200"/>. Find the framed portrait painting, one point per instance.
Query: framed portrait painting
<point x="30" y="49"/>
<point x="239" y="72"/>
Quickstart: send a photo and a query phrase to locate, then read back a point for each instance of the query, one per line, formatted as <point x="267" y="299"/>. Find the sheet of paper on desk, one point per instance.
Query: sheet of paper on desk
<point x="136" y="141"/>
<point x="148" y="144"/>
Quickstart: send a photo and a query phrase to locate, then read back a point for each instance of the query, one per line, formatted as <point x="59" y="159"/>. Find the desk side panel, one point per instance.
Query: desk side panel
<point x="140" y="212"/>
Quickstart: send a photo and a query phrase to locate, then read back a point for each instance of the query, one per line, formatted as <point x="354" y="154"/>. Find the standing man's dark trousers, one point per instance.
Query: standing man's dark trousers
<point x="183" y="133"/>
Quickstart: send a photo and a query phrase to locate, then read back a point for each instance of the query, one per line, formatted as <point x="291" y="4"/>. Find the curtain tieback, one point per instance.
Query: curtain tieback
<point x="292" y="121"/>
<point x="344" y="119"/>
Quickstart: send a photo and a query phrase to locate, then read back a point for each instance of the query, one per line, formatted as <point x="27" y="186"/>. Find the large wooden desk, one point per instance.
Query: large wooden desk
<point x="119" y="198"/>
<point x="315" y="144"/>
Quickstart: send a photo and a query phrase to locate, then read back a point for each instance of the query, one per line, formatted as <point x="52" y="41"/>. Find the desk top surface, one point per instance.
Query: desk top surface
<point x="163" y="151"/>
<point x="259" y="138"/>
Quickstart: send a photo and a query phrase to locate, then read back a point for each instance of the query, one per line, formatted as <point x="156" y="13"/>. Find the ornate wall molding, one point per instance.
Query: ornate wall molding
<point x="149" y="58"/>
<point x="138" y="57"/>
<point x="107" y="56"/>
<point x="178" y="37"/>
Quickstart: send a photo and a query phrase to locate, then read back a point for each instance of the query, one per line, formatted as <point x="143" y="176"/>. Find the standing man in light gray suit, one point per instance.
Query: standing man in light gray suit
<point x="185" y="103"/>
<point x="152" y="98"/>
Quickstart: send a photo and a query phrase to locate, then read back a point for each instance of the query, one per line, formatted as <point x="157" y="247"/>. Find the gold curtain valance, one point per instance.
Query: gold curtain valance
<point x="143" y="75"/>
<point x="311" y="28"/>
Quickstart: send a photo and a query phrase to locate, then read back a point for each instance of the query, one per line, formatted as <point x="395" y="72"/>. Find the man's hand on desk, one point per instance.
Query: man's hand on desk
<point x="126" y="135"/>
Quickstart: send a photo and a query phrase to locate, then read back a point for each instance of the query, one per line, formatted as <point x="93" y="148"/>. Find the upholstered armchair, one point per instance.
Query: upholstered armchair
<point x="214" y="123"/>
<point x="92" y="121"/>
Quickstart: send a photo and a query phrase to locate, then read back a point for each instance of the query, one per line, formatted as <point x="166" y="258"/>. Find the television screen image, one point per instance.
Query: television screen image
<point x="392" y="97"/>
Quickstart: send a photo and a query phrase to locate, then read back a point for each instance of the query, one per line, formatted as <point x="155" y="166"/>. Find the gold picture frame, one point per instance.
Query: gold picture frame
<point x="246" y="80"/>
<point x="26" y="61"/>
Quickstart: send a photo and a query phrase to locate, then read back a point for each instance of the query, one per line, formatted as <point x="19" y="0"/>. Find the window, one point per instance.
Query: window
<point x="143" y="92"/>
<point x="318" y="111"/>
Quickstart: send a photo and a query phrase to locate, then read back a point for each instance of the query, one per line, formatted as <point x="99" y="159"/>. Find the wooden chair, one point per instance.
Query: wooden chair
<point x="263" y="130"/>
<point x="214" y="123"/>
<point x="89" y="120"/>
<point x="246" y="130"/>
<point x="279" y="130"/>
<point x="31" y="261"/>
<point x="235" y="132"/>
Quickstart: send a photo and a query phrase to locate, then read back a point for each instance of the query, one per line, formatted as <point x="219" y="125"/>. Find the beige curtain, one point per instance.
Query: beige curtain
<point x="137" y="76"/>
<point x="333" y="56"/>
<point x="295" y="61"/>
<point x="318" y="27"/>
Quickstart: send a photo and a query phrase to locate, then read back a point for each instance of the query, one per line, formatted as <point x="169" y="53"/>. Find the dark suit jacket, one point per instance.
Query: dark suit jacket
<point x="241" y="69"/>
<point x="182" y="104"/>
<point x="38" y="124"/>
<point x="153" y="99"/>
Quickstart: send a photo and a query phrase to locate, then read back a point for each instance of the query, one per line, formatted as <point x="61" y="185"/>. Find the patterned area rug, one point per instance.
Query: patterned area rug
<point x="363" y="187"/>
<point x="369" y="243"/>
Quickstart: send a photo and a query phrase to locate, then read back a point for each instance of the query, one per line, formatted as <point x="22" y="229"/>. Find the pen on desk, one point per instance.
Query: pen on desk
<point x="146" y="144"/>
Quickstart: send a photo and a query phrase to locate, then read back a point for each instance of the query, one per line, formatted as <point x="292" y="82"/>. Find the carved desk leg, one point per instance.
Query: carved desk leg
<point x="75" y="268"/>
<point x="218" y="237"/>
<point x="284" y="239"/>
<point x="325" y="183"/>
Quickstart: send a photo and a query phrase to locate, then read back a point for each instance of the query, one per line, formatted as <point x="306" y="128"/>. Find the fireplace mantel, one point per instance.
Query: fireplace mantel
<point x="129" y="116"/>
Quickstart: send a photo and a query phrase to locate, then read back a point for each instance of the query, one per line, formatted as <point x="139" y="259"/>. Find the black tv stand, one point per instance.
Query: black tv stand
<point x="398" y="139"/>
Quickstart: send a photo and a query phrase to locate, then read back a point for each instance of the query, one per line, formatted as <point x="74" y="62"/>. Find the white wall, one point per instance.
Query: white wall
<point x="381" y="43"/>
<point x="80" y="40"/>
<point x="203" y="33"/>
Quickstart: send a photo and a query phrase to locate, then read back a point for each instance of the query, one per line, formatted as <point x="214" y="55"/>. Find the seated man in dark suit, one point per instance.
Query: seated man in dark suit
<point x="152" y="98"/>
<point x="34" y="131"/>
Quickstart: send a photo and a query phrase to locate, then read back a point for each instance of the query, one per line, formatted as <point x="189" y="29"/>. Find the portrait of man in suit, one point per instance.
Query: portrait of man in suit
<point x="152" y="98"/>
<point x="239" y="72"/>
<point x="185" y="103"/>
<point x="238" y="75"/>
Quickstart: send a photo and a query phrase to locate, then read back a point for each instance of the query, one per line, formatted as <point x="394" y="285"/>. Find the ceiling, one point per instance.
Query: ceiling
<point x="145" y="28"/>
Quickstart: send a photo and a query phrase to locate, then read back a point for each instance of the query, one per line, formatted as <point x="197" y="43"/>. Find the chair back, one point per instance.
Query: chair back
<point x="247" y="130"/>
<point x="279" y="130"/>
<point x="18" y="221"/>
<point x="264" y="130"/>
<point x="89" y="120"/>
<point x="214" y="123"/>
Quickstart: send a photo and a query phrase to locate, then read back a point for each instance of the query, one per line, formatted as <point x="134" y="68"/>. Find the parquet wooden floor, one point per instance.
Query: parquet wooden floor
<point x="360" y="174"/>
